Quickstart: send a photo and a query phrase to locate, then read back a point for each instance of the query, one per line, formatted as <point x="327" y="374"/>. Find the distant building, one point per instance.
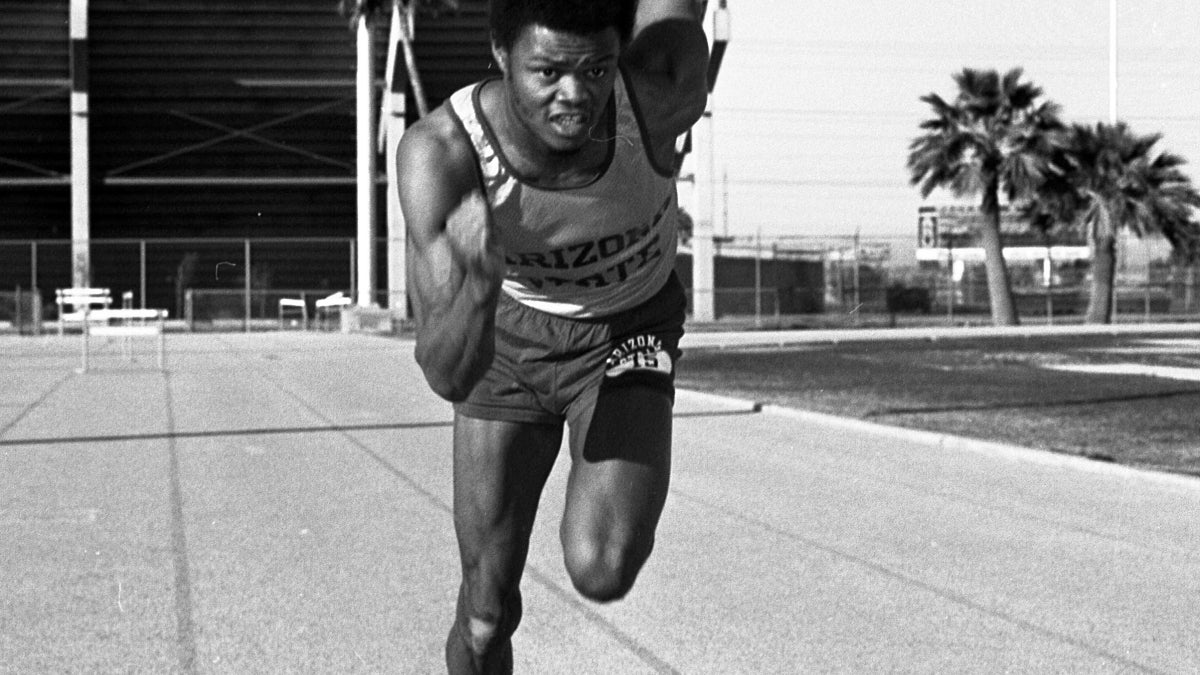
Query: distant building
<point x="952" y="232"/>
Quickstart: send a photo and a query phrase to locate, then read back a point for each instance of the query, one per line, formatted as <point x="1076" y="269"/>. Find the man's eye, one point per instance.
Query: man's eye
<point x="548" y="73"/>
<point x="598" y="72"/>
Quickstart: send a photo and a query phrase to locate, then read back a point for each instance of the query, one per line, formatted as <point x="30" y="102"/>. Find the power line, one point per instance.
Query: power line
<point x="819" y="182"/>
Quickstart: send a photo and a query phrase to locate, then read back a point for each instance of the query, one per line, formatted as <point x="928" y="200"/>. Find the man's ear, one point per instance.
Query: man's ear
<point x="500" y="54"/>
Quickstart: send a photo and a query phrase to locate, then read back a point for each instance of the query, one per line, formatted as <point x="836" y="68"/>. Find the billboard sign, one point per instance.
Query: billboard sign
<point x="958" y="226"/>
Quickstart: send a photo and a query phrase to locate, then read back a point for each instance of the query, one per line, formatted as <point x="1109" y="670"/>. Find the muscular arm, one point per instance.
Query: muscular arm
<point x="454" y="267"/>
<point x="667" y="61"/>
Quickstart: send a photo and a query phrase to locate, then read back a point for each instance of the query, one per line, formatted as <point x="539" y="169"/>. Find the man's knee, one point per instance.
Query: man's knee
<point x="481" y="635"/>
<point x="605" y="572"/>
<point x="486" y="632"/>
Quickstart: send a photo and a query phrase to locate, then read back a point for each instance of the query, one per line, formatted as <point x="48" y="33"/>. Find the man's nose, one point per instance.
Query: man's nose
<point x="572" y="90"/>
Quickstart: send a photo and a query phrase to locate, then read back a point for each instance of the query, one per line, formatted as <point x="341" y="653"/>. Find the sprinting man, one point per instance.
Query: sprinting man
<point x="541" y="211"/>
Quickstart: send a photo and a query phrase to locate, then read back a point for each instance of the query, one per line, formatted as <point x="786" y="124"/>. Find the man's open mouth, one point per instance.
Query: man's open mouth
<point x="569" y="124"/>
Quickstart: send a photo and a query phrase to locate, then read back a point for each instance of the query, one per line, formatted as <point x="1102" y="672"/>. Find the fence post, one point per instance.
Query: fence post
<point x="951" y="290"/>
<point x="758" y="279"/>
<point x="1146" y="290"/>
<point x="353" y="270"/>
<point x="857" y="279"/>
<point x="1049" y="285"/>
<point x="246" y="299"/>
<point x="1189" y="287"/>
<point x="775" y="261"/>
<point x="1116" y="283"/>
<point x="35" y="312"/>
<point x="142" y="251"/>
<point x="33" y="270"/>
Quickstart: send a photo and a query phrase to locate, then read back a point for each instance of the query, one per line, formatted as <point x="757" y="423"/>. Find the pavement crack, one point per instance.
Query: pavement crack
<point x="185" y="627"/>
<point x="1022" y="405"/>
<point x="539" y="577"/>
<point x="909" y="580"/>
<point x="33" y="406"/>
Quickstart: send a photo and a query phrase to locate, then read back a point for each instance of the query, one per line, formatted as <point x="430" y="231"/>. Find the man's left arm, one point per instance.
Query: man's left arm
<point x="667" y="62"/>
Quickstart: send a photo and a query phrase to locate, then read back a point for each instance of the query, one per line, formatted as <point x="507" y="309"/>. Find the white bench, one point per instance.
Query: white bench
<point x="333" y="303"/>
<point x="293" y="303"/>
<point x="81" y="301"/>
<point x="134" y="323"/>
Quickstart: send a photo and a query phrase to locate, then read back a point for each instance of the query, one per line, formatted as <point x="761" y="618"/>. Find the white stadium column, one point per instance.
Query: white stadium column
<point x="365" y="90"/>
<point x="81" y="172"/>
<point x="392" y="121"/>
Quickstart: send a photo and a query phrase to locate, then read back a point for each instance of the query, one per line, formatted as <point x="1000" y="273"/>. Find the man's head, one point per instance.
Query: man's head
<point x="559" y="59"/>
<point x="509" y="17"/>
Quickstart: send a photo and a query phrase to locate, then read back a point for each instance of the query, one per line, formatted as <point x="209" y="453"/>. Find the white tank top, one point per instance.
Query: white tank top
<point x="587" y="251"/>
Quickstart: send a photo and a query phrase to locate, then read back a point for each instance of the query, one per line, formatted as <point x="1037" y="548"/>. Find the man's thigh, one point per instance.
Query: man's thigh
<point x="620" y="468"/>
<point x="500" y="468"/>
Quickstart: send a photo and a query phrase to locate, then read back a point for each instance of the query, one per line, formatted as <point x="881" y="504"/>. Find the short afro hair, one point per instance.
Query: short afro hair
<point x="507" y="18"/>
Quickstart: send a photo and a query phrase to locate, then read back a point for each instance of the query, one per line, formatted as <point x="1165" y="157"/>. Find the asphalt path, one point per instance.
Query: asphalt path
<point x="280" y="503"/>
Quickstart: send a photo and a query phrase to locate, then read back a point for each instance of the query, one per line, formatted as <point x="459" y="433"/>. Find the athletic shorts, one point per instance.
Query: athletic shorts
<point x="547" y="366"/>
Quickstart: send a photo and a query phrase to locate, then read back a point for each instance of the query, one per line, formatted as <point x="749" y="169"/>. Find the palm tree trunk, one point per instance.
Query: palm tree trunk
<point x="1004" y="311"/>
<point x="1104" y="257"/>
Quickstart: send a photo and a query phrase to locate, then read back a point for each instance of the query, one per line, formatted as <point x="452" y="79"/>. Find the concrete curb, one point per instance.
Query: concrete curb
<point x="720" y="340"/>
<point x="1013" y="453"/>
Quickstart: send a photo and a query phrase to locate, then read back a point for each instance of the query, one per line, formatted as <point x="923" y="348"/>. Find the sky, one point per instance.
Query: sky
<point x="816" y="102"/>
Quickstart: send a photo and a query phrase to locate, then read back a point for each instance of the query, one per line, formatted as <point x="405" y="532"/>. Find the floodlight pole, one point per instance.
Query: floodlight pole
<point x="704" y="180"/>
<point x="1112" y="119"/>
<point x="1112" y="61"/>
<point x="81" y="174"/>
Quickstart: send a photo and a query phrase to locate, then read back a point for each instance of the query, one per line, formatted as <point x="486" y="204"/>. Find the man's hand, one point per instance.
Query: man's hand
<point x="473" y="243"/>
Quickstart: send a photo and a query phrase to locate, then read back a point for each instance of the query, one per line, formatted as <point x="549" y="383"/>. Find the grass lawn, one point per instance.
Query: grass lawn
<point x="997" y="389"/>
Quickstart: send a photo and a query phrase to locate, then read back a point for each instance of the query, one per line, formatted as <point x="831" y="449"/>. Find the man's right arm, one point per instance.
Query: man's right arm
<point x="454" y="266"/>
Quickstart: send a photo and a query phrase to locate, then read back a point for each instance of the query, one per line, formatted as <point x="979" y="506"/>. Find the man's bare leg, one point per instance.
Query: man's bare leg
<point x="500" y="469"/>
<point x="620" y="472"/>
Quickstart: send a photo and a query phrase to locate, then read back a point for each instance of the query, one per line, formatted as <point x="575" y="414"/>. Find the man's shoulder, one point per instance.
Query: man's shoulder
<point x="439" y="131"/>
<point x="436" y="167"/>
<point x="437" y="142"/>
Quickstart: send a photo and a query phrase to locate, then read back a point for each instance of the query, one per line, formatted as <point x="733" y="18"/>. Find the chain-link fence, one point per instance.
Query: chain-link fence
<point x="237" y="284"/>
<point x="850" y="280"/>
<point x="248" y="275"/>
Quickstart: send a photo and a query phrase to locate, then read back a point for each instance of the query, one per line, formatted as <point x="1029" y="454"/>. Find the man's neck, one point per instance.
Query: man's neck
<point x="535" y="162"/>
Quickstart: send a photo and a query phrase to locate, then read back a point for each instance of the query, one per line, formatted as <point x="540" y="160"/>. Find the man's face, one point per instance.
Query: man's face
<point x="558" y="84"/>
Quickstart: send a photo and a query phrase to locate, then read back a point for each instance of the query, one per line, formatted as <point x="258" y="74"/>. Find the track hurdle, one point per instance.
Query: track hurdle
<point x="125" y="330"/>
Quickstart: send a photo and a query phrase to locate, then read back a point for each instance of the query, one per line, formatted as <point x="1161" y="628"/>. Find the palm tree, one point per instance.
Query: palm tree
<point x="994" y="138"/>
<point x="1109" y="178"/>
<point x="373" y="9"/>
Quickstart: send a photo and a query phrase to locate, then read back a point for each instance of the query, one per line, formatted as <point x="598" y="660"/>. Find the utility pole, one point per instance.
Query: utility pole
<point x="1112" y="119"/>
<point x="703" y="209"/>
<point x="1112" y="61"/>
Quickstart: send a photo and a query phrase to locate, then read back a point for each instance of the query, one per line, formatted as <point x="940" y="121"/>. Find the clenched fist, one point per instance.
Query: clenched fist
<point x="474" y="243"/>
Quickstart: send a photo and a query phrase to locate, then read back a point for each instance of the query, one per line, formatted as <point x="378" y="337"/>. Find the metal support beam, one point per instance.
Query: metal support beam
<point x="366" y="140"/>
<point x="81" y="263"/>
<point x="253" y="181"/>
<point x="703" y="267"/>
<point x="393" y="122"/>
